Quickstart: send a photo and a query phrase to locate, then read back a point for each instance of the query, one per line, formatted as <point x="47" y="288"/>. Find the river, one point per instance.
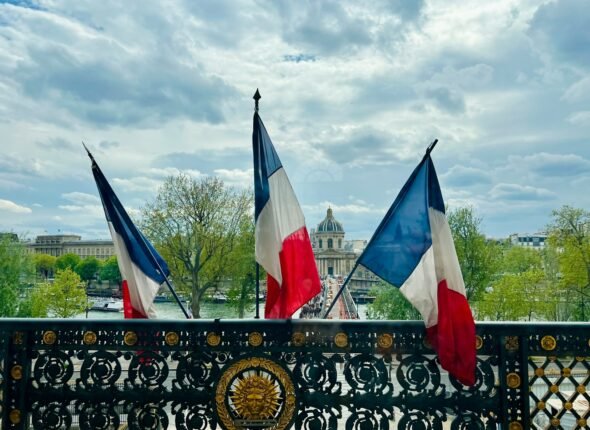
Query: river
<point x="171" y="311"/>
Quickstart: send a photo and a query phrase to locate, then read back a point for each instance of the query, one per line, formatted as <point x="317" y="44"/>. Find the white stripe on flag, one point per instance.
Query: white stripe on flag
<point x="421" y="288"/>
<point x="142" y="289"/>
<point x="279" y="218"/>
<point x="445" y="256"/>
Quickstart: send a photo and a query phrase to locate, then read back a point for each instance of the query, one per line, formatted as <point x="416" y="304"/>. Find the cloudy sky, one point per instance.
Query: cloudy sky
<point x="352" y="93"/>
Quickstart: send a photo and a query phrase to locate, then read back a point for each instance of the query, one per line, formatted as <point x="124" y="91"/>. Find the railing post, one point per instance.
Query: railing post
<point x="16" y="371"/>
<point x="513" y="375"/>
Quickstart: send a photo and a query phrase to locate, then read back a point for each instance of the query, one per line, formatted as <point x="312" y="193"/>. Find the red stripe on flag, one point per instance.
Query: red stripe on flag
<point x="300" y="277"/>
<point x="128" y="310"/>
<point x="453" y="337"/>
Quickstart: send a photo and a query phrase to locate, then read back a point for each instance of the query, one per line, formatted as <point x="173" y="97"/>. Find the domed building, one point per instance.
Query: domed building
<point x="331" y="253"/>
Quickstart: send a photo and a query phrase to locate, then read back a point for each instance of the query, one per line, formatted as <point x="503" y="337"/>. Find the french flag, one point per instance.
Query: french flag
<point x="283" y="247"/>
<point x="143" y="270"/>
<point x="413" y="250"/>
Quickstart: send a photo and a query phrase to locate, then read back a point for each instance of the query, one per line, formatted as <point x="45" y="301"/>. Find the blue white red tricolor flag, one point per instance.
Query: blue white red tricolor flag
<point x="143" y="270"/>
<point x="413" y="250"/>
<point x="283" y="247"/>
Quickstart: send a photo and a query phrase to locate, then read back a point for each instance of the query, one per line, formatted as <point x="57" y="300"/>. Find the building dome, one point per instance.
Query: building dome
<point x="329" y="224"/>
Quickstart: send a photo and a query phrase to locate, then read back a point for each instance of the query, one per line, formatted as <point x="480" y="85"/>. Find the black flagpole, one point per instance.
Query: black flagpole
<point x="153" y="258"/>
<point x="428" y="151"/>
<point x="257" y="97"/>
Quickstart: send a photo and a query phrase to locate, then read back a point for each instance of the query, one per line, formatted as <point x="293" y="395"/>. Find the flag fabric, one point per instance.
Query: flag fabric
<point x="413" y="250"/>
<point x="139" y="262"/>
<point x="283" y="247"/>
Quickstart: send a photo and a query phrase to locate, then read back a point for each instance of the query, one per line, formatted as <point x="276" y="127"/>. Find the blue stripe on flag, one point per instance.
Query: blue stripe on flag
<point x="266" y="162"/>
<point x="138" y="247"/>
<point x="435" y="198"/>
<point x="404" y="234"/>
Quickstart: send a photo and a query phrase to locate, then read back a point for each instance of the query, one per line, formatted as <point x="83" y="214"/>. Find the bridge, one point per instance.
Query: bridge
<point x="281" y="374"/>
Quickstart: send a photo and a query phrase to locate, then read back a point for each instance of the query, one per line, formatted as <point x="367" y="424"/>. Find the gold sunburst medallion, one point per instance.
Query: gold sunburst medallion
<point x="89" y="338"/>
<point x="49" y="337"/>
<point x="548" y="343"/>
<point x="255" y="392"/>
<point x="255" y="397"/>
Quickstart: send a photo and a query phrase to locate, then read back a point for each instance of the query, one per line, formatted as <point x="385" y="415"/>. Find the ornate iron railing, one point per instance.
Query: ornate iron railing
<point x="316" y="375"/>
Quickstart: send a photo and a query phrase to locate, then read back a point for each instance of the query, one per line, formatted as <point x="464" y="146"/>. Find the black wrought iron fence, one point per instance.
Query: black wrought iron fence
<point x="315" y="375"/>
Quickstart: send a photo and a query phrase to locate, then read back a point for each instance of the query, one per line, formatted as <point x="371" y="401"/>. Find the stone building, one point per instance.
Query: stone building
<point x="60" y="244"/>
<point x="336" y="257"/>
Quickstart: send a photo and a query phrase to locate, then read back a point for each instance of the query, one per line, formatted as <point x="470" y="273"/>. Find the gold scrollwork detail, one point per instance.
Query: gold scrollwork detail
<point x="130" y="338"/>
<point x="582" y="422"/>
<point x="568" y="405"/>
<point x="478" y="342"/>
<point x="541" y="405"/>
<point x="255" y="397"/>
<point x="89" y="338"/>
<point x="566" y="371"/>
<point x="511" y="343"/>
<point x="172" y="338"/>
<point x="213" y="339"/>
<point x="385" y="341"/>
<point x="16" y="372"/>
<point x="515" y="425"/>
<point x="539" y="371"/>
<point x="49" y="337"/>
<point x="341" y="340"/>
<point x="581" y="389"/>
<point x="298" y="338"/>
<point x="555" y="422"/>
<point x="255" y="339"/>
<point x="513" y="380"/>
<point x="548" y="343"/>
<point x="14" y="416"/>
<point x="554" y="389"/>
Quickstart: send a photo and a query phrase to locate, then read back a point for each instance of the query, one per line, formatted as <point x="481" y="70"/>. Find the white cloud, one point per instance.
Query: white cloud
<point x="81" y="198"/>
<point x="138" y="183"/>
<point x="580" y="118"/>
<point x="352" y="94"/>
<point x="236" y="177"/>
<point x="518" y="192"/>
<point x="10" y="206"/>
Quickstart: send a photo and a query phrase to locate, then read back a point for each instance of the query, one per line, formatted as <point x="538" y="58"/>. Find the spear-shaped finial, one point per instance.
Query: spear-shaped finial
<point x="430" y="147"/>
<point x="87" y="151"/>
<point x="256" y="97"/>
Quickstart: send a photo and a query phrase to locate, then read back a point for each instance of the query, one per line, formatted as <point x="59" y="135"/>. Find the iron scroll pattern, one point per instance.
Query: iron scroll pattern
<point x="353" y="375"/>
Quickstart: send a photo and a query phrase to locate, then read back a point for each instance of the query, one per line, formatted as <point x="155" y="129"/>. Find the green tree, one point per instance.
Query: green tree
<point x="521" y="290"/>
<point x="34" y="304"/>
<point x="390" y="304"/>
<point x="88" y="268"/>
<point x="516" y="296"/>
<point x="196" y="224"/>
<point x="67" y="261"/>
<point x="242" y="271"/>
<point x="569" y="238"/>
<point x="110" y="271"/>
<point x="45" y="264"/>
<point x="17" y="272"/>
<point x="478" y="257"/>
<point x="66" y="296"/>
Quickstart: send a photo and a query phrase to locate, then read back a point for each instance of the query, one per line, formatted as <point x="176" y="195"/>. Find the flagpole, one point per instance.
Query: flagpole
<point x="428" y="151"/>
<point x="257" y="97"/>
<point x="154" y="259"/>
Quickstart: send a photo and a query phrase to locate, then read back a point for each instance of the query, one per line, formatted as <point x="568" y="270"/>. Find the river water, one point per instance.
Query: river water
<point x="171" y="311"/>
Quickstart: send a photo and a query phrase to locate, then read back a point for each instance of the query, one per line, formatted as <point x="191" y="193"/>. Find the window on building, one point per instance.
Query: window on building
<point x="339" y="243"/>
<point x="330" y="244"/>
<point x="321" y="243"/>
